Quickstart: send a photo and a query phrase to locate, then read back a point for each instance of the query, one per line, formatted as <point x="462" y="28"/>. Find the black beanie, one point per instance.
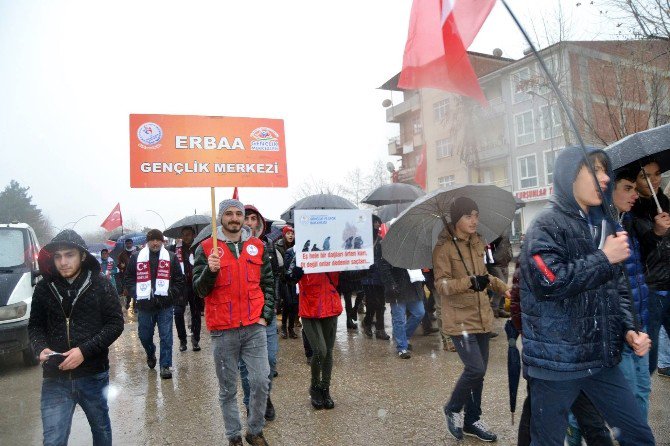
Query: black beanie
<point x="460" y="207"/>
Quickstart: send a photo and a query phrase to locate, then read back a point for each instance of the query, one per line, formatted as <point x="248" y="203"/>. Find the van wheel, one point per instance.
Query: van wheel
<point x="29" y="357"/>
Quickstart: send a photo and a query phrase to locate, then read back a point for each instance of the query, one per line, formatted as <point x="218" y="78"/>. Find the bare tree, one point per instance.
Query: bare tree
<point x="315" y="186"/>
<point x="642" y="19"/>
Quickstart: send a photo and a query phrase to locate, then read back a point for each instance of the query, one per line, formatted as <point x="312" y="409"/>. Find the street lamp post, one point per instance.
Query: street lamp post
<point x="74" y="223"/>
<point x="159" y="216"/>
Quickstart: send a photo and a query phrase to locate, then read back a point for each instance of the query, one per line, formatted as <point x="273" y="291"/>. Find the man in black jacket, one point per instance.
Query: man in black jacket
<point x="74" y="317"/>
<point x="154" y="277"/>
<point x="575" y="307"/>
<point x="182" y="249"/>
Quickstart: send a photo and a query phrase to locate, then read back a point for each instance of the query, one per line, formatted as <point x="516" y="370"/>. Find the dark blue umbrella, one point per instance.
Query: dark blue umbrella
<point x="513" y="365"/>
<point x="138" y="238"/>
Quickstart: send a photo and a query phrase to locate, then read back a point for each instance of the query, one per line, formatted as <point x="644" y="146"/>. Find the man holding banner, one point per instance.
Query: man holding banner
<point x="237" y="283"/>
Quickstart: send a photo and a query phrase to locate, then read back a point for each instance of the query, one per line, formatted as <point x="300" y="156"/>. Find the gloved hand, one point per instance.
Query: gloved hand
<point x="297" y="273"/>
<point x="394" y="291"/>
<point x="479" y="283"/>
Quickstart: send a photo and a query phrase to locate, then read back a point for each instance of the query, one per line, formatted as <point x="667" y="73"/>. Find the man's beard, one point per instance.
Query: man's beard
<point x="233" y="229"/>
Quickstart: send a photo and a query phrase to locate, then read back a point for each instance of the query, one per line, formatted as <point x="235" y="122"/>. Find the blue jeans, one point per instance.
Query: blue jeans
<point x="273" y="348"/>
<point x="608" y="390"/>
<point x="147" y="320"/>
<point x="403" y="326"/>
<point x="636" y="371"/>
<point x="659" y="315"/>
<point x="663" y="349"/>
<point x="59" y="398"/>
<point x="248" y="344"/>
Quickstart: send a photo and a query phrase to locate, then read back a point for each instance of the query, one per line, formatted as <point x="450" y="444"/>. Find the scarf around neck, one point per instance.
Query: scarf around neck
<point x="143" y="274"/>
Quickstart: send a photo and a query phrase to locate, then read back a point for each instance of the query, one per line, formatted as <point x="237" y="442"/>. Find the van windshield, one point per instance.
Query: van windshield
<point x="12" y="252"/>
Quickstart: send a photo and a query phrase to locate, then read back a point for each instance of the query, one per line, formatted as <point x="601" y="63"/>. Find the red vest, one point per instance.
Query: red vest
<point x="237" y="298"/>
<point x="318" y="295"/>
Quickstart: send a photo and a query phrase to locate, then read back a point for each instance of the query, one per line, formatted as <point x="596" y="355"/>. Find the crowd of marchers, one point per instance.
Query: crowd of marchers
<point x="589" y="298"/>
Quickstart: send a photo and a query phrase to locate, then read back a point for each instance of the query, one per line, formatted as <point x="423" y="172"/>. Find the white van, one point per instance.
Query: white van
<point x="18" y="275"/>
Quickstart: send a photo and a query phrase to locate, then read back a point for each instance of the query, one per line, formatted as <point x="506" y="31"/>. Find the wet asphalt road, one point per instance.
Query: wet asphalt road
<point x="380" y="399"/>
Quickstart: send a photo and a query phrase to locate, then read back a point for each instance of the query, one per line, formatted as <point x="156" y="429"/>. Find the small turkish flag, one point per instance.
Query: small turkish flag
<point x="114" y="219"/>
<point x="236" y="194"/>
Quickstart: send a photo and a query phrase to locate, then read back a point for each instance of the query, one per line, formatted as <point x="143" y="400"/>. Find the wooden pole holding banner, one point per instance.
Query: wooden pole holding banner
<point x="213" y="220"/>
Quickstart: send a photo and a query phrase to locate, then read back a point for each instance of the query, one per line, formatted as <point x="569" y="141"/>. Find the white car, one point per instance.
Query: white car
<point x="19" y="273"/>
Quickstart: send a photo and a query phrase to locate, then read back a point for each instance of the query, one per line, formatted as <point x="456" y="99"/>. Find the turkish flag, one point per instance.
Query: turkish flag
<point x="420" y="173"/>
<point x="440" y="31"/>
<point x="114" y="219"/>
<point x="236" y="195"/>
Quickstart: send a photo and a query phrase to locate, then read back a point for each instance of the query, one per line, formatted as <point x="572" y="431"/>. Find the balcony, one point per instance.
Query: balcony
<point x="395" y="148"/>
<point x="406" y="174"/>
<point x="398" y="112"/>
<point x="496" y="108"/>
<point x="489" y="150"/>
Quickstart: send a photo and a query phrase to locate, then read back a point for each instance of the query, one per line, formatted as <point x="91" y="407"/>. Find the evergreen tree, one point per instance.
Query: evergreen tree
<point x="16" y="206"/>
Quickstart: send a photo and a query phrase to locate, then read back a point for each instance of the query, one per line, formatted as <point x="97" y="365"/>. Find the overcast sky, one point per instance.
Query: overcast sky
<point x="72" y="71"/>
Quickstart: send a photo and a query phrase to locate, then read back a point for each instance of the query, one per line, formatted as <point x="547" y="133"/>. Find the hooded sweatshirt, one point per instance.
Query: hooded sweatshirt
<point x="574" y="303"/>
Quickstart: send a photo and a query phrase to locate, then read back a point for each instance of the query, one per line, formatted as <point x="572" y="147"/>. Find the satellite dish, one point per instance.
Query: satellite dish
<point x="390" y="167"/>
<point x="386" y="103"/>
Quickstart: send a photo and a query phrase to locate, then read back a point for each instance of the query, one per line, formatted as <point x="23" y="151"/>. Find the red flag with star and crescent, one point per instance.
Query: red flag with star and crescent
<point x="440" y="31"/>
<point x="114" y="219"/>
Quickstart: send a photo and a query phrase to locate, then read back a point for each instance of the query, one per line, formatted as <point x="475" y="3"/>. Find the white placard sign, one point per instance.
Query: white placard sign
<point x="333" y="239"/>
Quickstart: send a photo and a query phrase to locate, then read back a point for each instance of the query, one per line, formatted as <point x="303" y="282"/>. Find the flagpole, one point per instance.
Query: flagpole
<point x="211" y="190"/>
<point x="606" y="205"/>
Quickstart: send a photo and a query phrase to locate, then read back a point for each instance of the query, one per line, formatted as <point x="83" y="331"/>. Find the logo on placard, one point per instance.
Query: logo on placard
<point x="252" y="250"/>
<point x="265" y="140"/>
<point x="304" y="219"/>
<point x="149" y="134"/>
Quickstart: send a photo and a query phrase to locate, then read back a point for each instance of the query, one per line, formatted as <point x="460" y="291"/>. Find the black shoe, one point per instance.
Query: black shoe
<point x="166" y="373"/>
<point x="270" y="413"/>
<point x="664" y="372"/>
<point x="493" y="334"/>
<point x="237" y="441"/>
<point x="454" y="423"/>
<point x="409" y="347"/>
<point x="256" y="440"/>
<point x="480" y="430"/>
<point x="430" y="330"/>
<point x="503" y="314"/>
<point x="367" y="331"/>
<point x="151" y="361"/>
<point x="316" y="397"/>
<point x="328" y="402"/>
<point x="275" y="374"/>
<point x="404" y="354"/>
<point x="283" y="332"/>
<point x="182" y="346"/>
<point x="351" y="325"/>
<point x="381" y="334"/>
<point x="291" y="333"/>
<point x="196" y="347"/>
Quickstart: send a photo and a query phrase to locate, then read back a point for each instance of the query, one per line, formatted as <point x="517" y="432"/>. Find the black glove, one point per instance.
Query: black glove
<point x="479" y="283"/>
<point x="297" y="273"/>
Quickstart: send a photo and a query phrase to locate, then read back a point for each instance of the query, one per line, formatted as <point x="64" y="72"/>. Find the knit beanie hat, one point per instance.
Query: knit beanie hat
<point x="231" y="202"/>
<point x="155" y="234"/>
<point x="460" y="207"/>
<point x="286" y="229"/>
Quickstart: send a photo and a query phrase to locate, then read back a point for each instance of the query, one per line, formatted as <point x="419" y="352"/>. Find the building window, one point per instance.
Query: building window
<point x="527" y="171"/>
<point x="440" y="110"/>
<point x="523" y="123"/>
<point x="549" y="160"/>
<point x="444" y="148"/>
<point x="449" y="180"/>
<point x="551" y="121"/>
<point x="417" y="126"/>
<point x="520" y="81"/>
<point x="544" y="86"/>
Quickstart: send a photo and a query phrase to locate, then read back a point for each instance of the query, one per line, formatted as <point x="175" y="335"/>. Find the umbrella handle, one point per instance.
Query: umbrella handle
<point x="659" y="209"/>
<point x="512" y="418"/>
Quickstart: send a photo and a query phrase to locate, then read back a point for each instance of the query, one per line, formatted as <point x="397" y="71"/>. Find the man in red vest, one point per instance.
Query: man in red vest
<point x="238" y="287"/>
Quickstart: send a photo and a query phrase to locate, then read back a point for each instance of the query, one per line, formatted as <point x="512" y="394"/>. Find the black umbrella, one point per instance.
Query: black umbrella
<point x="649" y="143"/>
<point x="204" y="233"/>
<point x="318" y="201"/>
<point x="410" y="241"/>
<point x="138" y="238"/>
<point x="513" y="365"/>
<point x="390" y="211"/>
<point x="197" y="222"/>
<point x="393" y="193"/>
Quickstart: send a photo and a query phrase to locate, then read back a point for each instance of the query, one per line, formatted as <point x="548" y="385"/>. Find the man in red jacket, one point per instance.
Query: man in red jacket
<point x="236" y="282"/>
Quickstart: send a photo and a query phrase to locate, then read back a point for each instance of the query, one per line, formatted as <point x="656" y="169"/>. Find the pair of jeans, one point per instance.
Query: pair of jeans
<point x="636" y="371"/>
<point x="473" y="350"/>
<point x="404" y="326"/>
<point x="374" y="306"/>
<point x="229" y="347"/>
<point x="146" y="321"/>
<point x="321" y="336"/>
<point x="659" y="316"/>
<point x="609" y="392"/>
<point x="59" y="398"/>
<point x="196" y="319"/>
<point x="663" y="349"/>
<point x="273" y="348"/>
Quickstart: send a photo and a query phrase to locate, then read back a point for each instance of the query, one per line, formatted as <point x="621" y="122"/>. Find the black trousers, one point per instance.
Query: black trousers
<point x="194" y="304"/>
<point x="352" y="310"/>
<point x="374" y="306"/>
<point x="473" y="350"/>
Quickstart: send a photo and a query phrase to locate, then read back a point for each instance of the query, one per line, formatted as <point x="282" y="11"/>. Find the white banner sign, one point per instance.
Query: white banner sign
<point x="333" y="239"/>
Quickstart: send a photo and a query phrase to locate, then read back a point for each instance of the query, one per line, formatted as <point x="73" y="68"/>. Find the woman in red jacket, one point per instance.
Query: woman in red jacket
<point x="320" y="305"/>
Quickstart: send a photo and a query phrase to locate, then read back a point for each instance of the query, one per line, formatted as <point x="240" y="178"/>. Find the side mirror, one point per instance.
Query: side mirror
<point x="35" y="276"/>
